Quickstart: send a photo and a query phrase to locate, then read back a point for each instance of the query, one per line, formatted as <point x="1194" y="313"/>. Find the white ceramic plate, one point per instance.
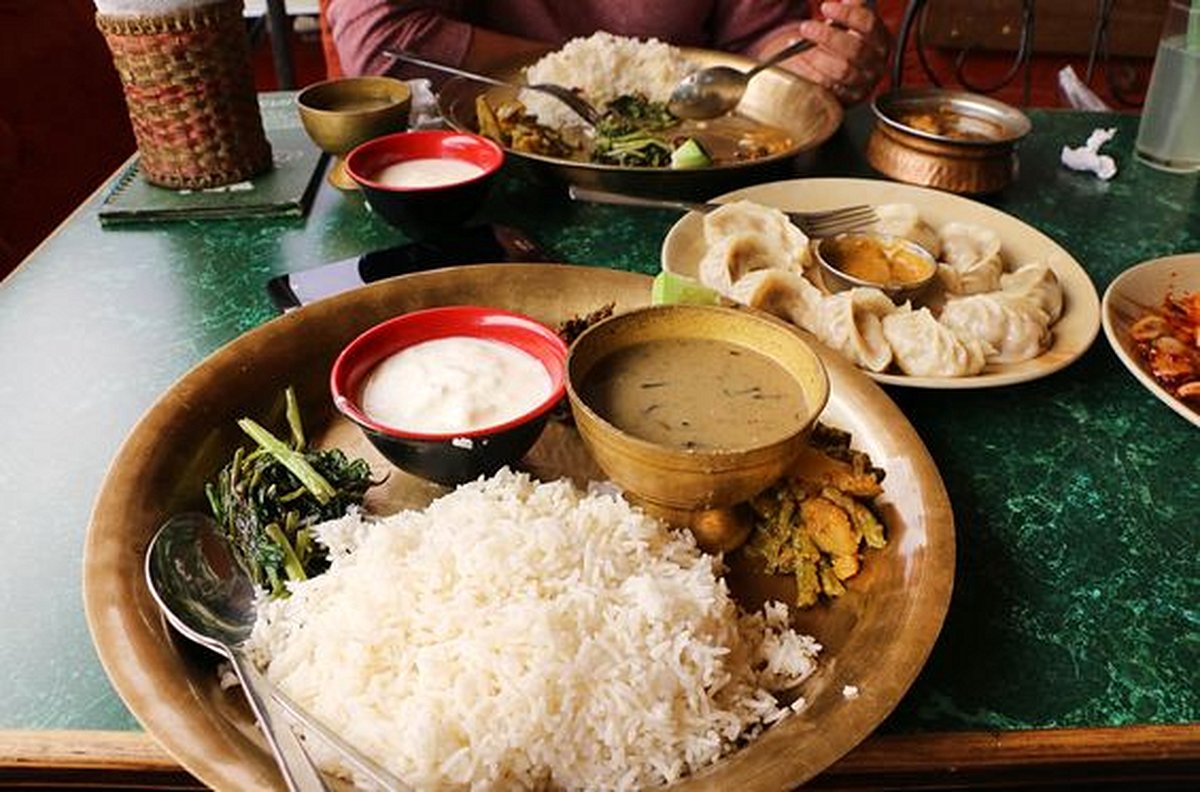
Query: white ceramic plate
<point x="1073" y="333"/>
<point x="1129" y="296"/>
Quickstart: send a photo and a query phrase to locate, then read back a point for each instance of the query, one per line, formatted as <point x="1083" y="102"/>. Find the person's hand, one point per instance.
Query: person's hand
<point x="851" y="53"/>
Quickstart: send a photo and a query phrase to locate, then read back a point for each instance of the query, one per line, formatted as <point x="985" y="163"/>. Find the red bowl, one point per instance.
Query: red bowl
<point x="419" y="211"/>
<point x="453" y="457"/>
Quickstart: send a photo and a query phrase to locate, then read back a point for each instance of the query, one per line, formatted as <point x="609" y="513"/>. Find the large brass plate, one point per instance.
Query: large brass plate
<point x="876" y="637"/>
<point x="809" y="113"/>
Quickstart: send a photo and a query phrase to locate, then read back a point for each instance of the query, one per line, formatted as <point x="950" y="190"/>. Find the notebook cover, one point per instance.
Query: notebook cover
<point x="286" y="190"/>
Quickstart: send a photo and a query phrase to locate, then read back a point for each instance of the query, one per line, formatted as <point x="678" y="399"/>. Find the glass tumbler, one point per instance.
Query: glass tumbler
<point x="1169" y="131"/>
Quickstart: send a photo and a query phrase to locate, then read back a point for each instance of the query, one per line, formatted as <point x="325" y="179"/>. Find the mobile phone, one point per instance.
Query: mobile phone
<point x="474" y="245"/>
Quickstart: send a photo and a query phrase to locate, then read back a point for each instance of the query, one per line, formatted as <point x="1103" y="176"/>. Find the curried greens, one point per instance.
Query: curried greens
<point x="268" y="499"/>
<point x="816" y="527"/>
<point x="631" y="133"/>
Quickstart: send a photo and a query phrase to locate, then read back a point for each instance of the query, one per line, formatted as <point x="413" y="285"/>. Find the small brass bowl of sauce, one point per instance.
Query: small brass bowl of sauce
<point x="957" y="141"/>
<point x="898" y="267"/>
<point x="693" y="410"/>
<point x="341" y="113"/>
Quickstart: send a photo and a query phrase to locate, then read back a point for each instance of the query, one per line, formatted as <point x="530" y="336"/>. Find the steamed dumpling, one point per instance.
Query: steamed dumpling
<point x="1014" y="327"/>
<point x="766" y="222"/>
<point x="731" y="259"/>
<point x="922" y="347"/>
<point x="971" y="261"/>
<point x="1036" y="282"/>
<point x="903" y="220"/>
<point x="782" y="293"/>
<point x="743" y="237"/>
<point x="850" y="322"/>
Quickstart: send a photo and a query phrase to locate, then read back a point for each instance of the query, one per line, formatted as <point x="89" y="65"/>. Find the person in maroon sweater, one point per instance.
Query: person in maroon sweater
<point x="483" y="34"/>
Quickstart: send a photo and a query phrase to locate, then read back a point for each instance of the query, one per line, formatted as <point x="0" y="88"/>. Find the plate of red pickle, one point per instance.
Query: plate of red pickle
<point x="1151" y="316"/>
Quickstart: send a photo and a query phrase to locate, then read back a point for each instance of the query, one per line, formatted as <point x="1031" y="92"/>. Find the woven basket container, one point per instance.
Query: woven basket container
<point x="190" y="91"/>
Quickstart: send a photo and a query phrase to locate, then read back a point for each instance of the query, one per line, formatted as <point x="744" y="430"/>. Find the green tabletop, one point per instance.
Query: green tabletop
<point x="1075" y="496"/>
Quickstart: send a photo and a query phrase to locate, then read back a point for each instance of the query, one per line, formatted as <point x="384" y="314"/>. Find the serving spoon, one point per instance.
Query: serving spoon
<point x="207" y="596"/>
<point x="716" y="90"/>
<point x="577" y="103"/>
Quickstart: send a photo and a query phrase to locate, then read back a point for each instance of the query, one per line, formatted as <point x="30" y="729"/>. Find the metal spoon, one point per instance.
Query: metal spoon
<point x="581" y="106"/>
<point x="715" y="91"/>
<point x="208" y="597"/>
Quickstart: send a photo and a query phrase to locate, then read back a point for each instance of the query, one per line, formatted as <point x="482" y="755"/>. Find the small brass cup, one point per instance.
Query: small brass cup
<point x="835" y="256"/>
<point x="956" y="141"/>
<point x="703" y="490"/>
<point x="339" y="114"/>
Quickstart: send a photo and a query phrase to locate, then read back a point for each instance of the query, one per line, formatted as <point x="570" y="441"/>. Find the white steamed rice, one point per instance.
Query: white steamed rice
<point x="604" y="66"/>
<point x="518" y="634"/>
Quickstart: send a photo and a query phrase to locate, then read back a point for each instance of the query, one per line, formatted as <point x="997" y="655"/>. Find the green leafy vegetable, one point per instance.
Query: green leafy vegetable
<point x="634" y="150"/>
<point x="632" y="113"/>
<point x="628" y="133"/>
<point x="268" y="499"/>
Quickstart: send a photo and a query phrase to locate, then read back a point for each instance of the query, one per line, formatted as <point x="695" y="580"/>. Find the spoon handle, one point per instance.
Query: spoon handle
<point x="620" y="199"/>
<point x="564" y="95"/>
<point x="297" y="767"/>
<point x="795" y="48"/>
<point x="401" y="55"/>
<point x="364" y="764"/>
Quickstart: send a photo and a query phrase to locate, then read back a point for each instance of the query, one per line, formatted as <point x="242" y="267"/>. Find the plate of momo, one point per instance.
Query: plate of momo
<point x="1008" y="305"/>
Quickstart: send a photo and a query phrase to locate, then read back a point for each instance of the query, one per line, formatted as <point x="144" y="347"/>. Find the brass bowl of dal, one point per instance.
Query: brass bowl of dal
<point x="692" y="410"/>
<point x="957" y="141"/>
<point x="341" y="113"/>
<point x="777" y="104"/>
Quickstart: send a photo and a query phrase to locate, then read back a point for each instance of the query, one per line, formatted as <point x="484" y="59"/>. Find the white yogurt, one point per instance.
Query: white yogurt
<point x="427" y="172"/>
<point x="454" y="384"/>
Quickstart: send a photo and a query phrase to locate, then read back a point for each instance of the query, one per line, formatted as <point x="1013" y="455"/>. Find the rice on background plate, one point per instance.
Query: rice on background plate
<point x="602" y="67"/>
<point x="519" y="634"/>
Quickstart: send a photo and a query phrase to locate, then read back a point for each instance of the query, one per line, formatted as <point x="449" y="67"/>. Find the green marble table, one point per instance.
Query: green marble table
<point x="1077" y="597"/>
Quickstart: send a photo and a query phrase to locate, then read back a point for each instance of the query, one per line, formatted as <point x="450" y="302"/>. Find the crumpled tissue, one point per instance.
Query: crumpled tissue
<point x="1088" y="157"/>
<point x="423" y="112"/>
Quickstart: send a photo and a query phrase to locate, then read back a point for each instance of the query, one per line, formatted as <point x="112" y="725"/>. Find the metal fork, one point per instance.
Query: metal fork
<point x="815" y="224"/>
<point x="581" y="106"/>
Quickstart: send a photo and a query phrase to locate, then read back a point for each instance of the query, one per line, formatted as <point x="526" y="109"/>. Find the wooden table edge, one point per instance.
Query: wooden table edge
<point x="1148" y="755"/>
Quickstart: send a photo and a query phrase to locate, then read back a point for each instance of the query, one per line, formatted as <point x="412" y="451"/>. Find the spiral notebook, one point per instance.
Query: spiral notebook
<point x="286" y="190"/>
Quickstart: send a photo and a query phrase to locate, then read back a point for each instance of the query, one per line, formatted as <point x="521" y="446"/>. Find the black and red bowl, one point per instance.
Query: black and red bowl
<point x="420" y="211"/>
<point x="454" y="457"/>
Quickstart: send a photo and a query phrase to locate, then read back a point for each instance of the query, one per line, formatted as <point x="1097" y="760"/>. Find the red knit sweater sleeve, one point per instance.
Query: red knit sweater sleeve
<point x="745" y="26"/>
<point x="361" y="29"/>
<point x="442" y="29"/>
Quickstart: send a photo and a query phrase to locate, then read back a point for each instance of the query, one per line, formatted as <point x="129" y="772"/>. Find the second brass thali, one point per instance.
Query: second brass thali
<point x="876" y="637"/>
<point x="807" y="112"/>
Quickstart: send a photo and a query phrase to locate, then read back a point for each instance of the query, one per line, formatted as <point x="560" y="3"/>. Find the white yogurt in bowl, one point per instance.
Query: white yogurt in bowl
<point x="427" y="172"/>
<point x="455" y="384"/>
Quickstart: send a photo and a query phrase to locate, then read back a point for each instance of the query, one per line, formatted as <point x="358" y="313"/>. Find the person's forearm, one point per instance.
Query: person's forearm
<point x="364" y="29"/>
<point x="490" y="51"/>
<point x="774" y="40"/>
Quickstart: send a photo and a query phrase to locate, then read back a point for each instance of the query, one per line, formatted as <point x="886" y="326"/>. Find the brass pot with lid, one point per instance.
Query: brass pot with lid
<point x="957" y="141"/>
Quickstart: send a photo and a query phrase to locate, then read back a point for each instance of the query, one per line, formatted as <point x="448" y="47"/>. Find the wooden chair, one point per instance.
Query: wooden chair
<point x="333" y="66"/>
<point x="1017" y="47"/>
